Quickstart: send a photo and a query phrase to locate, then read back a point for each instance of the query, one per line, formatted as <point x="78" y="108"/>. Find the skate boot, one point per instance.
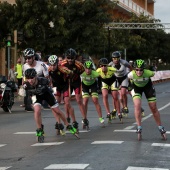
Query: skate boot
<point x="73" y="130"/>
<point x="109" y="118"/>
<point x="163" y="132"/>
<point x="61" y="129"/>
<point x="76" y="126"/>
<point x="85" y="123"/>
<point x="125" y="111"/>
<point x="57" y="128"/>
<point x="142" y="112"/>
<point x="120" y="117"/>
<point x="40" y="134"/>
<point x="68" y="120"/>
<point x="139" y="132"/>
<point x="101" y="119"/>
<point x="113" y="113"/>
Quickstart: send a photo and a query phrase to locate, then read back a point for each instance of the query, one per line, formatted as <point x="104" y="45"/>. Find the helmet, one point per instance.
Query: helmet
<point x="53" y="59"/>
<point x="29" y="52"/>
<point x="37" y="57"/>
<point x="88" y="64"/>
<point x="116" y="54"/>
<point x="30" y="73"/>
<point x="139" y="63"/>
<point x="103" y="61"/>
<point x="71" y="53"/>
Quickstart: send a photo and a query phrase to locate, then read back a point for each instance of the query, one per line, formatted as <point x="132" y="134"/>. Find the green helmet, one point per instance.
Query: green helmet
<point x="88" y="64"/>
<point x="139" y="63"/>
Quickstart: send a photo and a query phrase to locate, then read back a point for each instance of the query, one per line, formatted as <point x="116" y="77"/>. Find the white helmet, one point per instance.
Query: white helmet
<point x="29" y="52"/>
<point x="53" y="59"/>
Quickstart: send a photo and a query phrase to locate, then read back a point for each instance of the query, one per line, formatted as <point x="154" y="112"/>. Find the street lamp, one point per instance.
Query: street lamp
<point x="8" y="44"/>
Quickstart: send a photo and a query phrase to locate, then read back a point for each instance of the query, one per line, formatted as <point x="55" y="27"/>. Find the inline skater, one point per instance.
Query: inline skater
<point x="141" y="83"/>
<point x="75" y="81"/>
<point x="59" y="79"/>
<point x="39" y="89"/>
<point x="39" y="66"/>
<point x="121" y="76"/>
<point x="89" y="87"/>
<point x="108" y="80"/>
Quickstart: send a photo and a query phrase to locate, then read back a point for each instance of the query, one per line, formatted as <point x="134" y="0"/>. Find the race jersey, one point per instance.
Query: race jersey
<point x="107" y="77"/>
<point x="59" y="76"/>
<point x="89" y="79"/>
<point x="40" y="68"/>
<point x="121" y="68"/>
<point x="77" y="68"/>
<point x="142" y="80"/>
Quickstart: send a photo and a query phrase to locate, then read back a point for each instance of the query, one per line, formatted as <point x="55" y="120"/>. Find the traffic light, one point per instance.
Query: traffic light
<point x="8" y="43"/>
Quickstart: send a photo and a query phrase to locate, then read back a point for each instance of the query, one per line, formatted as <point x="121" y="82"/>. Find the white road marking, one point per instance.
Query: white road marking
<point x="25" y="133"/>
<point x="80" y="131"/>
<point x="144" y="168"/>
<point x="48" y="144"/>
<point x="144" y="118"/>
<point x="167" y="132"/>
<point x="129" y="127"/>
<point x="107" y="142"/>
<point x="1" y="145"/>
<point x="4" y="168"/>
<point x="124" y="130"/>
<point x="164" y="107"/>
<point x="161" y="144"/>
<point x="67" y="166"/>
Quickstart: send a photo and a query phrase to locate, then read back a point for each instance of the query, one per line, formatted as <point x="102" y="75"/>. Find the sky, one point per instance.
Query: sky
<point x="162" y="10"/>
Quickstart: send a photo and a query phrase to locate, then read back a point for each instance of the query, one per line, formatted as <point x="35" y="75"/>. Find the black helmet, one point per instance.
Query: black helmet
<point x="29" y="52"/>
<point x="116" y="54"/>
<point x="30" y="73"/>
<point x="103" y="61"/>
<point x="88" y="64"/>
<point x="139" y="63"/>
<point x="71" y="53"/>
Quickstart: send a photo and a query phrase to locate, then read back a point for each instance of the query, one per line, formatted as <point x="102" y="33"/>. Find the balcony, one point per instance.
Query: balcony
<point x="128" y="6"/>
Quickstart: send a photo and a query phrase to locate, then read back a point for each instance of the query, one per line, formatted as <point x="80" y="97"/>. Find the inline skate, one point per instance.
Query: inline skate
<point x="139" y="132"/>
<point x="75" y="125"/>
<point x="109" y="118"/>
<point x="163" y="132"/>
<point x="60" y="128"/>
<point x="40" y="134"/>
<point x="73" y="131"/>
<point x="85" y="123"/>
<point x="142" y="112"/>
<point x="113" y="114"/>
<point x="125" y="111"/>
<point x="101" y="119"/>
<point x="120" y="117"/>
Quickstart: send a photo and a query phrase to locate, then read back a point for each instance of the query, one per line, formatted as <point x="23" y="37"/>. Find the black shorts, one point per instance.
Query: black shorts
<point x="48" y="97"/>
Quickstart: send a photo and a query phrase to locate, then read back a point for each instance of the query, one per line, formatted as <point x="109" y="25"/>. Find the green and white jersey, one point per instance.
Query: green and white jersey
<point x="142" y="80"/>
<point x="89" y="79"/>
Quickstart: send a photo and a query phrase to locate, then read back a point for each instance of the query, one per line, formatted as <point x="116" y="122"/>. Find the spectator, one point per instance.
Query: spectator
<point x="18" y="69"/>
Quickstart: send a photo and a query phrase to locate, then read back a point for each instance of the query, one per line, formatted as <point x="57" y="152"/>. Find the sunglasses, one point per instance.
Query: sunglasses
<point x="138" y="69"/>
<point x="103" y="65"/>
<point x="70" y="58"/>
<point x="116" y="58"/>
<point x="28" y="58"/>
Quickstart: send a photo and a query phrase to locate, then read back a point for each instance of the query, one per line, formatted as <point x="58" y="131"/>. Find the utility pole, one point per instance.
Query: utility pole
<point x="15" y="46"/>
<point x="8" y="44"/>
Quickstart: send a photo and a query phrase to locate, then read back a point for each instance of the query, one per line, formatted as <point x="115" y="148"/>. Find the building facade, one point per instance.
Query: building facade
<point x="123" y="9"/>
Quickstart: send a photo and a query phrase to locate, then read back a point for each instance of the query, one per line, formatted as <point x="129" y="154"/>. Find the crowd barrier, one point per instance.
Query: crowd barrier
<point x="161" y="76"/>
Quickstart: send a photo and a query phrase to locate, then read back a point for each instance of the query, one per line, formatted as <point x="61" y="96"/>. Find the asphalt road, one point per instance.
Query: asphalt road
<point x="114" y="147"/>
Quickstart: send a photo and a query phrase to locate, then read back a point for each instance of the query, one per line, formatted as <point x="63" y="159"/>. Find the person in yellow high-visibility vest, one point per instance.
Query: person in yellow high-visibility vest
<point x="18" y="69"/>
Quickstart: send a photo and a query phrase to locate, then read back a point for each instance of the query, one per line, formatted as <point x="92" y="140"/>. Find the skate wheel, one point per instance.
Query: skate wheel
<point x="40" y="139"/>
<point x="62" y="132"/>
<point x="164" y="136"/>
<point x="139" y="136"/>
<point x="77" y="136"/>
<point x="58" y="132"/>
